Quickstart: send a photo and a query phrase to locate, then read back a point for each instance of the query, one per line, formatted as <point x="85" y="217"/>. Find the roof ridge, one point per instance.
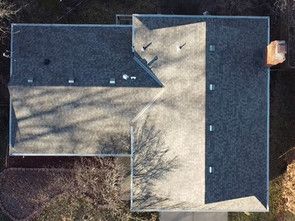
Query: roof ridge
<point x="140" y="113"/>
<point x="146" y="69"/>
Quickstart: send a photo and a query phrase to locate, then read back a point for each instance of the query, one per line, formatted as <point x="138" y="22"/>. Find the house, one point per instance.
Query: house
<point x="190" y="92"/>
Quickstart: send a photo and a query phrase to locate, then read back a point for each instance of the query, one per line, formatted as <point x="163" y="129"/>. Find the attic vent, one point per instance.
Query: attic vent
<point x="211" y="47"/>
<point x="46" y="61"/>
<point x="71" y="81"/>
<point x="125" y="76"/>
<point x="112" y="81"/>
<point x="211" y="87"/>
<point x="210" y="169"/>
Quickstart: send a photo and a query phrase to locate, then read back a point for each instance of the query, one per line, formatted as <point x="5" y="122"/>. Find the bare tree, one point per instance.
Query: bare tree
<point x="95" y="194"/>
<point x="281" y="5"/>
<point x="7" y="11"/>
<point x="98" y="180"/>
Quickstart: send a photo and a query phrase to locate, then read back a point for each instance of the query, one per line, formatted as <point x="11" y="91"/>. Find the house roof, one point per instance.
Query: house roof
<point x="223" y="131"/>
<point x="89" y="54"/>
<point x="192" y="148"/>
<point x="88" y="117"/>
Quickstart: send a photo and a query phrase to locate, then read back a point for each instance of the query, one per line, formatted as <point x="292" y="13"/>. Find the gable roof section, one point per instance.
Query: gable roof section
<point x="88" y="117"/>
<point x="89" y="54"/>
<point x="236" y="111"/>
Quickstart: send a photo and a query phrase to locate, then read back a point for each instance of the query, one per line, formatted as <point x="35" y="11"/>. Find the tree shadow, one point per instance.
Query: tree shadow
<point x="104" y="120"/>
<point x="150" y="165"/>
<point x="114" y="143"/>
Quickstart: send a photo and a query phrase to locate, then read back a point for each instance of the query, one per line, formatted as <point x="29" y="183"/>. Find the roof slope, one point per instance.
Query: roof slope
<point x="179" y="113"/>
<point x="237" y="148"/>
<point x="88" y="117"/>
<point x="90" y="54"/>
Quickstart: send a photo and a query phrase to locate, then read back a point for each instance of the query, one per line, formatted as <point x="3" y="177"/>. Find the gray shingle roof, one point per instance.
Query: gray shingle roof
<point x="88" y="117"/>
<point x="237" y="110"/>
<point x="169" y="105"/>
<point x="89" y="54"/>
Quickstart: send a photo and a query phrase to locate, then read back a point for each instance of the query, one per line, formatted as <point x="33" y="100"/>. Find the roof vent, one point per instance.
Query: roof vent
<point x="210" y="169"/>
<point x="211" y="47"/>
<point x="211" y="87"/>
<point x="152" y="61"/>
<point x="46" y="61"/>
<point x="71" y="81"/>
<point x="30" y="80"/>
<point x="146" y="46"/>
<point x="211" y="128"/>
<point x="179" y="47"/>
<point x="125" y="76"/>
<point x="133" y="78"/>
<point x="112" y="81"/>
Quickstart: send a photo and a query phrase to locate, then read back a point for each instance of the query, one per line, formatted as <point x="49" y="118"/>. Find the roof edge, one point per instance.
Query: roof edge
<point x="197" y="210"/>
<point x="148" y="71"/>
<point x="201" y="16"/>
<point x="268" y="125"/>
<point x="70" y="25"/>
<point x="69" y="154"/>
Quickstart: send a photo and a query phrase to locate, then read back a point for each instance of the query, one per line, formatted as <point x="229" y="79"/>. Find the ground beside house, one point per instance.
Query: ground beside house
<point x="281" y="105"/>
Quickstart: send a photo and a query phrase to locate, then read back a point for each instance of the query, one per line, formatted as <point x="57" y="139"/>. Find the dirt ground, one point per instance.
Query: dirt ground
<point x="282" y="118"/>
<point x="282" y="109"/>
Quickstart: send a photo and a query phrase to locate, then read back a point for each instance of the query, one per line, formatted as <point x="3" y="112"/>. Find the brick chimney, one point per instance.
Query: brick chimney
<point x="275" y="53"/>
